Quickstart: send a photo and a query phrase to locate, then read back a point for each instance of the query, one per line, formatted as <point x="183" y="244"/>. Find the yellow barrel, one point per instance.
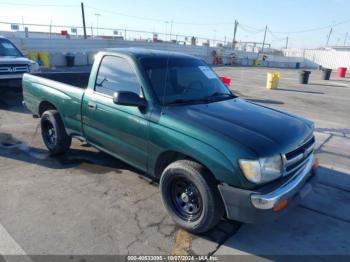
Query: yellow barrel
<point x="273" y="80"/>
<point x="33" y="55"/>
<point x="256" y="62"/>
<point x="45" y="59"/>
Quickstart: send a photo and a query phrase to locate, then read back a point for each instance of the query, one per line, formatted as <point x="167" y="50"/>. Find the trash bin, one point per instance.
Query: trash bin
<point x="225" y="80"/>
<point x="33" y="55"/>
<point x="326" y="73"/>
<point x="304" y="77"/>
<point x="297" y="65"/>
<point x="342" y="71"/>
<point x="272" y="80"/>
<point x="70" y="58"/>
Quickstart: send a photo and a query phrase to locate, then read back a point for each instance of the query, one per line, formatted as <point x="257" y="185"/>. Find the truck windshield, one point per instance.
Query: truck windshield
<point x="8" y="49"/>
<point x="183" y="80"/>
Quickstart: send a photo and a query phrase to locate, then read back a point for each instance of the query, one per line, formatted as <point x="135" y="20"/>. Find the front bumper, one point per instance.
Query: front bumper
<point x="11" y="76"/>
<point x="11" y="81"/>
<point x="258" y="206"/>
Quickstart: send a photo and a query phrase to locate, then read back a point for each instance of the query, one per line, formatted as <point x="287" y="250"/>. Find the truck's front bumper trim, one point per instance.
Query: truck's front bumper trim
<point x="11" y="76"/>
<point x="270" y="200"/>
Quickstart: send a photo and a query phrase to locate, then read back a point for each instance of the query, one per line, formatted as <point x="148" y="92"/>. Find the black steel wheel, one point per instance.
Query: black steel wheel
<point x="187" y="199"/>
<point x="53" y="133"/>
<point x="190" y="195"/>
<point x="49" y="133"/>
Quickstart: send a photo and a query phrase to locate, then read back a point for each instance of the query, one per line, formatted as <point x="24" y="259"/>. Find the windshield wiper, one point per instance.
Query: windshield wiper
<point x="183" y="101"/>
<point x="201" y="100"/>
<point x="219" y="95"/>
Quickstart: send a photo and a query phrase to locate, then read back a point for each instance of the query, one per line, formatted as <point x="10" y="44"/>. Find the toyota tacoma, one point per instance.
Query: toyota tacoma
<point x="214" y="154"/>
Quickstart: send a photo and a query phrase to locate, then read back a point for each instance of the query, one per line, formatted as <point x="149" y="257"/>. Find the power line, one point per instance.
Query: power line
<point x="126" y="15"/>
<point x="158" y="20"/>
<point x="276" y="38"/>
<point x="37" y="5"/>
<point x="315" y="29"/>
<point x="251" y="32"/>
<point x="253" y="29"/>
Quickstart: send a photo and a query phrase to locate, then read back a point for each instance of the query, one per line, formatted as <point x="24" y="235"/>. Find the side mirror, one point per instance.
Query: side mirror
<point x="125" y="98"/>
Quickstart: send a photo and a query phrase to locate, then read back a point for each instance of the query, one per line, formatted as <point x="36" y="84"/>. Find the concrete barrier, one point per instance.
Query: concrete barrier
<point x="84" y="50"/>
<point x="81" y="59"/>
<point x="57" y="59"/>
<point x="91" y="57"/>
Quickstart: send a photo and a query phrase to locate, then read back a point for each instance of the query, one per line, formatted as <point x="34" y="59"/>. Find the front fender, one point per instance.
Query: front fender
<point x="163" y="139"/>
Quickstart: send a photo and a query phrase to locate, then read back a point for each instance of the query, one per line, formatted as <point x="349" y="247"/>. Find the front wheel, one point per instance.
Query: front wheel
<point x="190" y="195"/>
<point x="53" y="133"/>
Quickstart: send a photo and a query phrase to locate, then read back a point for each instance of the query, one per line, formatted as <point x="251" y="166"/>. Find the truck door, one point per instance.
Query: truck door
<point x="119" y="130"/>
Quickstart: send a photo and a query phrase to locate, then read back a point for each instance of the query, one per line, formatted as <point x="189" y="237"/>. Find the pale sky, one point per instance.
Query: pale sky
<point x="211" y="19"/>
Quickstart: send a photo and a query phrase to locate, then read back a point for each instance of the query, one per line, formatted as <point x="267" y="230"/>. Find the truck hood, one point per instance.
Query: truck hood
<point x="264" y="130"/>
<point x="5" y="60"/>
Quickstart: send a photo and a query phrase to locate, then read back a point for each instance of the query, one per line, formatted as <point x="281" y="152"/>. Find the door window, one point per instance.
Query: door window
<point x="116" y="74"/>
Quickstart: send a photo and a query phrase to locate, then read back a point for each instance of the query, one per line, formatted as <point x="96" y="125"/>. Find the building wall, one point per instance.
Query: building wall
<point x="327" y="58"/>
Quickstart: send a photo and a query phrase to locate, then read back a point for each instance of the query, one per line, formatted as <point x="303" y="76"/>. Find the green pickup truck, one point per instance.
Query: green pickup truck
<point x="214" y="154"/>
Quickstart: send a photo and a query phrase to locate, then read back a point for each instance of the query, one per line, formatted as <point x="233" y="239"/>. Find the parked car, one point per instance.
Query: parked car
<point x="169" y="115"/>
<point x="13" y="65"/>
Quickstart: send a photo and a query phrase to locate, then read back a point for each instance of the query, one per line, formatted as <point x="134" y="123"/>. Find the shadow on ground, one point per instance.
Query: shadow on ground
<point x="12" y="101"/>
<point x="90" y="160"/>
<point x="300" y="91"/>
<point x="330" y="85"/>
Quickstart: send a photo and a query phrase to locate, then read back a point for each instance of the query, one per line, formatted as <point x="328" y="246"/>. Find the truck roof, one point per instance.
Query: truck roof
<point x="143" y="52"/>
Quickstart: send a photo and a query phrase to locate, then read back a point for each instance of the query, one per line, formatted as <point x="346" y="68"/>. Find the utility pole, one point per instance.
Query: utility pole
<point x="346" y="38"/>
<point x="329" y="36"/>
<point x="234" y="35"/>
<point x="263" y="46"/>
<point x="83" y="16"/>
<point x="287" y="40"/>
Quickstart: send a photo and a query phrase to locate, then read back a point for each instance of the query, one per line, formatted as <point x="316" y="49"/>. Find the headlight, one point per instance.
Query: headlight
<point x="34" y="67"/>
<point x="262" y="170"/>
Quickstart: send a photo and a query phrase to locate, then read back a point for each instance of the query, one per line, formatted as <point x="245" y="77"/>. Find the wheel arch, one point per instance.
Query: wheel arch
<point x="170" y="156"/>
<point x="44" y="106"/>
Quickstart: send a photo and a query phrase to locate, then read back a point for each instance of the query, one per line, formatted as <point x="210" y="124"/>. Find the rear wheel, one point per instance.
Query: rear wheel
<point x="190" y="195"/>
<point x="53" y="133"/>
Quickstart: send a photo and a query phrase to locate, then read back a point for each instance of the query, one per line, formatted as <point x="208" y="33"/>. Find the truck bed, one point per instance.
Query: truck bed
<point x="77" y="79"/>
<point x="62" y="91"/>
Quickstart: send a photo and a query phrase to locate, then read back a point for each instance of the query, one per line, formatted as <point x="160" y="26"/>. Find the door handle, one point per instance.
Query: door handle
<point x="92" y="105"/>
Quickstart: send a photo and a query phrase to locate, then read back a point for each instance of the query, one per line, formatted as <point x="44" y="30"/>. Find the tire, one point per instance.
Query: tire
<point x="206" y="211"/>
<point x="54" y="134"/>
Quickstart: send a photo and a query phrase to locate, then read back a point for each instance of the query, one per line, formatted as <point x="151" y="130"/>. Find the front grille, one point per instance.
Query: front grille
<point x="13" y="69"/>
<point x="296" y="159"/>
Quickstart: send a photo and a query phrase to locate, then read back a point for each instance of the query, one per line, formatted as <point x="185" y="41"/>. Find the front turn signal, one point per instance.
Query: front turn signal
<point x="280" y="206"/>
